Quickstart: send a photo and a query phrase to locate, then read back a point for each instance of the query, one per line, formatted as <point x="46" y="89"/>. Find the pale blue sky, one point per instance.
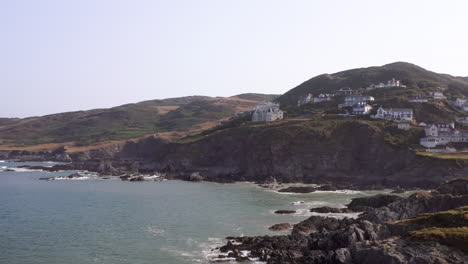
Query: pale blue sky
<point x="64" y="55"/>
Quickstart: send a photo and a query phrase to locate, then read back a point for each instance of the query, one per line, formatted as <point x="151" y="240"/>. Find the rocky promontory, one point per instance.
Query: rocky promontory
<point x="425" y="228"/>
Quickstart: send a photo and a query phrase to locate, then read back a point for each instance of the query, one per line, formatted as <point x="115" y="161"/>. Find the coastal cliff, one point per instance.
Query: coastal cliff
<point x="360" y="153"/>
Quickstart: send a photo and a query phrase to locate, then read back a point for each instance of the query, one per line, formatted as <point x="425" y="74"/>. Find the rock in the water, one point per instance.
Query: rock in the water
<point x="195" y="177"/>
<point x="280" y="227"/>
<point x="285" y="212"/>
<point x="298" y="189"/>
<point x="137" y="179"/>
<point x="74" y="175"/>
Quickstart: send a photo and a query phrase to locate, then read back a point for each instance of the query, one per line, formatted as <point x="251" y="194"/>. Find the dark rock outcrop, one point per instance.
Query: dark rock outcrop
<point x="298" y="189"/>
<point x="326" y="210"/>
<point x="285" y="211"/>
<point x="280" y="227"/>
<point x="366" y="203"/>
<point x="380" y="235"/>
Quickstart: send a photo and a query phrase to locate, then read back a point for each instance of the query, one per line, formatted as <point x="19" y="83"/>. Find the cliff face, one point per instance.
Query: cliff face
<point x="351" y="152"/>
<point x="361" y="153"/>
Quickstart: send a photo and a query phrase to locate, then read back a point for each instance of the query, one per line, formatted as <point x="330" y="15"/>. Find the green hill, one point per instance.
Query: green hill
<point x="416" y="78"/>
<point x="124" y="122"/>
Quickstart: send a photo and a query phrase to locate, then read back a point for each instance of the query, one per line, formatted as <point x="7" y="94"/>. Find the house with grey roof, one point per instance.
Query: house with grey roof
<point x="394" y="114"/>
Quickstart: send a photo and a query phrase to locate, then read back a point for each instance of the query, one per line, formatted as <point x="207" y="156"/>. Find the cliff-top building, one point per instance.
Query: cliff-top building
<point x="304" y="99"/>
<point x="442" y="134"/>
<point x="267" y="112"/>
<point x="394" y="114"/>
<point x="352" y="100"/>
<point x="391" y="83"/>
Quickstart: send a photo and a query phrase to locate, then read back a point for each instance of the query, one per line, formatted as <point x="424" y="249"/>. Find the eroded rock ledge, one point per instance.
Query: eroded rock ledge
<point x="418" y="229"/>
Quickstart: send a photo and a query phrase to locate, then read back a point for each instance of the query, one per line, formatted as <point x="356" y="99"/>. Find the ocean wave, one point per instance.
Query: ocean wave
<point x="2" y="161"/>
<point x="72" y="179"/>
<point x="340" y="192"/>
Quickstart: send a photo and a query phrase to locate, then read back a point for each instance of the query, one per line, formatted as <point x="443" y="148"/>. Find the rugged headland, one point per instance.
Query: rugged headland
<point x="423" y="228"/>
<point x="314" y="143"/>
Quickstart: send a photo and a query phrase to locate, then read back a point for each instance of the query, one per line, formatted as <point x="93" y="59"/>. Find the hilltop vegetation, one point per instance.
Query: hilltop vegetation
<point x="124" y="122"/>
<point x="417" y="79"/>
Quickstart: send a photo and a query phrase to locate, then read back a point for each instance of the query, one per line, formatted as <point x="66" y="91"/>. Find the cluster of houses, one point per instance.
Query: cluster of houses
<point x="436" y="135"/>
<point x="462" y="104"/>
<point x="309" y="98"/>
<point x="391" y="83"/>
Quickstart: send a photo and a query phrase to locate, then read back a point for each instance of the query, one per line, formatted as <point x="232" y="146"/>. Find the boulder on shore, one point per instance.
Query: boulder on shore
<point x="280" y="227"/>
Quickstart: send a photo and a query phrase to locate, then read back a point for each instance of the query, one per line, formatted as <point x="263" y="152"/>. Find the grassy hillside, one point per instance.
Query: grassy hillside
<point x="416" y="78"/>
<point x="123" y="122"/>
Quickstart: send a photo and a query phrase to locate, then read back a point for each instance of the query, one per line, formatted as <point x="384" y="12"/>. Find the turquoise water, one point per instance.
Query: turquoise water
<point x="110" y="221"/>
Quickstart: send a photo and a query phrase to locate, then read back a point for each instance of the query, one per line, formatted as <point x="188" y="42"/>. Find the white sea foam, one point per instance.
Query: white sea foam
<point x="298" y="203"/>
<point x="2" y="161"/>
<point x="16" y="169"/>
<point x="340" y="192"/>
<point x="73" y="179"/>
<point x="155" y="231"/>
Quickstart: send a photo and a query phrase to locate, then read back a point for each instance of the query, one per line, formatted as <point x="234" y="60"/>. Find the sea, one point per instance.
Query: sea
<point x="92" y="220"/>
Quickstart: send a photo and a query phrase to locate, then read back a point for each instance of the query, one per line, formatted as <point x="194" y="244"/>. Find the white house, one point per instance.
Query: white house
<point x="362" y="108"/>
<point x="266" y="112"/>
<point x="404" y="125"/>
<point x="345" y="91"/>
<point x="418" y="99"/>
<point x="438" y="95"/>
<point x="351" y="100"/>
<point x="323" y="98"/>
<point x="463" y="120"/>
<point x="304" y="99"/>
<point x="394" y="114"/>
<point x="442" y="134"/>
<point x="461" y="103"/>
<point x="389" y="84"/>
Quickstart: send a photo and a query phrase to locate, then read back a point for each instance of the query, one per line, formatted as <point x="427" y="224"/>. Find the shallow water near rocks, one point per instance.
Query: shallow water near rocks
<point x="111" y="221"/>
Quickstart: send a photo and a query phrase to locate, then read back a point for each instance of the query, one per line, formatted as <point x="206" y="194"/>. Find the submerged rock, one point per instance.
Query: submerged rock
<point x="285" y="211"/>
<point x="298" y="189"/>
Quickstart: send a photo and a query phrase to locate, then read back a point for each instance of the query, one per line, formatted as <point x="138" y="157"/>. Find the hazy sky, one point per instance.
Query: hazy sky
<point x="66" y="55"/>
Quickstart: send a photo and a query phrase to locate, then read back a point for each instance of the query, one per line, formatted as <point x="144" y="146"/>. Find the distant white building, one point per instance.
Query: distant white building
<point x="418" y="99"/>
<point x="351" y="100"/>
<point x="438" y="95"/>
<point x="323" y="98"/>
<point x="394" y="114"/>
<point x="404" y="125"/>
<point x="345" y="91"/>
<point x="267" y="112"/>
<point x="463" y="120"/>
<point x="461" y="103"/>
<point x="304" y="99"/>
<point x="391" y="83"/>
<point x="442" y="134"/>
<point x="362" y="108"/>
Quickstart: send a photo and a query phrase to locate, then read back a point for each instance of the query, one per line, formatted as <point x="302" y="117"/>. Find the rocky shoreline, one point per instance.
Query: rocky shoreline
<point x="426" y="227"/>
